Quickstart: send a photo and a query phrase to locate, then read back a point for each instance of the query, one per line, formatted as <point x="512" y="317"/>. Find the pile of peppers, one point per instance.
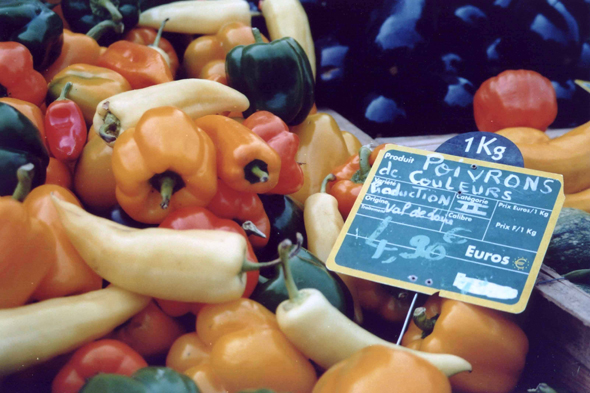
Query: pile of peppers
<point x="169" y="198"/>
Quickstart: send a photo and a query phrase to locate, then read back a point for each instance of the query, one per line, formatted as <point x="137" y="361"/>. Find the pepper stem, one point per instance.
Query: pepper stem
<point x="65" y="91"/>
<point x="361" y="175"/>
<point x="423" y="322"/>
<point x="24" y="174"/>
<point x="109" y="6"/>
<point x="167" y="184"/>
<point x="578" y="276"/>
<point x="249" y="266"/>
<point x="101" y="28"/>
<point x="110" y="129"/>
<point x="542" y="388"/>
<point x="156" y="42"/>
<point x="257" y="36"/>
<point x="251" y="229"/>
<point x="327" y="179"/>
<point x="259" y="173"/>
<point x="292" y="289"/>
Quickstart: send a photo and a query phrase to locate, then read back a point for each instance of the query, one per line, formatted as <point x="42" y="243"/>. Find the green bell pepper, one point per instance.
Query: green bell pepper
<point x="308" y="272"/>
<point x="145" y="380"/>
<point x="20" y="143"/>
<point x="275" y="76"/>
<point x="33" y="24"/>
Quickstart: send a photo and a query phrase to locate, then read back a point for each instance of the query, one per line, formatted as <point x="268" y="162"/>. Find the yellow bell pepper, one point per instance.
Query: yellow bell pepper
<point x="321" y="149"/>
<point x="352" y="143"/>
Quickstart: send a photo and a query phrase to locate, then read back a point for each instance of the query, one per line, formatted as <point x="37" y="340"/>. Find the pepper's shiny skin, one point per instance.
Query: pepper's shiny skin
<point x="146" y="36"/>
<point x="18" y="79"/>
<point x="77" y="49"/>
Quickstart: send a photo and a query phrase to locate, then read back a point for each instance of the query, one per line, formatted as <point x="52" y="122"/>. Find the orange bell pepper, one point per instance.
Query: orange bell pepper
<point x="27" y="244"/>
<point x="69" y="275"/>
<point x="59" y="174"/>
<point x="31" y="111"/>
<point x="150" y="332"/>
<point x="495" y="346"/>
<point x="350" y="178"/>
<point x="146" y="36"/>
<point x="77" y="49"/>
<point x="204" y="57"/>
<point x="166" y="162"/>
<point x="245" y="162"/>
<point x="381" y="369"/>
<point x="242" y="207"/>
<point x="238" y="346"/>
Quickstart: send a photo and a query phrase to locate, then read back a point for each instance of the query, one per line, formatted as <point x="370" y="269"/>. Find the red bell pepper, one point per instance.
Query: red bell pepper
<point x="18" y="79"/>
<point x="276" y="133"/>
<point x="65" y="127"/>
<point x="103" y="356"/>
<point x="242" y="207"/>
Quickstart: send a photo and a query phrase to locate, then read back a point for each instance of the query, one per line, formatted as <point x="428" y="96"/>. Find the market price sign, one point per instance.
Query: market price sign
<point x="472" y="230"/>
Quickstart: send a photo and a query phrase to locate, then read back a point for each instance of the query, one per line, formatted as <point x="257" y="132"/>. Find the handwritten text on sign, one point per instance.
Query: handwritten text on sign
<point x="473" y="230"/>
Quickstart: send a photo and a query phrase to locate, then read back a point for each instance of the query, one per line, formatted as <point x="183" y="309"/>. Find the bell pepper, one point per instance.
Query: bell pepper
<point x="111" y="17"/>
<point x="147" y="36"/>
<point x="275" y="76"/>
<point x="166" y="162"/>
<point x="31" y="111"/>
<point x="352" y="143"/>
<point x="333" y="342"/>
<point x="195" y="217"/>
<point x="94" y="181"/>
<point x="243" y="207"/>
<point x="287" y="18"/>
<point x="59" y="174"/>
<point x="32" y="24"/>
<point x="145" y="380"/>
<point x="196" y="17"/>
<point x="196" y="97"/>
<point x="494" y="345"/>
<point x="20" y="143"/>
<point x="68" y="322"/>
<point x="276" y="133"/>
<point x="390" y="303"/>
<point x="65" y="127"/>
<point x="321" y="149"/>
<point x="238" y="346"/>
<point x="207" y="52"/>
<point x="77" y="49"/>
<point x="190" y="266"/>
<point x="515" y="98"/>
<point x="350" y="177"/>
<point x="69" y="275"/>
<point x="141" y="65"/>
<point x="150" y="332"/>
<point x="245" y="162"/>
<point x="379" y="369"/>
<point x="18" y="79"/>
<point x="308" y="272"/>
<point x="22" y="265"/>
<point x="92" y="84"/>
<point x="286" y="220"/>
<point x="102" y="356"/>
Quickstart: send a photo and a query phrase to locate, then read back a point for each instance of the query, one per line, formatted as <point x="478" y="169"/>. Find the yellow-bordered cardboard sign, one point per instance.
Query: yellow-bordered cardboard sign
<point x="471" y="230"/>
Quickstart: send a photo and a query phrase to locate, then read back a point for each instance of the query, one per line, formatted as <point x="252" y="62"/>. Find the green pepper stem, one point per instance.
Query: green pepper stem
<point x="101" y="28"/>
<point x="248" y="266"/>
<point x="65" y="91"/>
<point x="542" y="388"/>
<point x="327" y="179"/>
<point x="251" y="229"/>
<point x="156" y="42"/>
<point x="167" y="184"/>
<point x="361" y="175"/>
<point x="292" y="289"/>
<point x="110" y="7"/>
<point x="257" y="36"/>
<point x="24" y="174"/>
<point x="423" y="322"/>
<point x="110" y="129"/>
<point x="259" y="173"/>
<point x="578" y="276"/>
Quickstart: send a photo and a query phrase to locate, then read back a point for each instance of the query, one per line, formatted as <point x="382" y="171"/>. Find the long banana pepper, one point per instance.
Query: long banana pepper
<point x="195" y="97"/>
<point x="339" y="339"/>
<point x="287" y="18"/>
<point x="206" y="266"/>
<point x="196" y="17"/>
<point x="35" y="333"/>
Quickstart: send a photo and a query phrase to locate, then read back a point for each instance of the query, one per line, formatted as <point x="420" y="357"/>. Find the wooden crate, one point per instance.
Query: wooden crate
<point x="557" y="319"/>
